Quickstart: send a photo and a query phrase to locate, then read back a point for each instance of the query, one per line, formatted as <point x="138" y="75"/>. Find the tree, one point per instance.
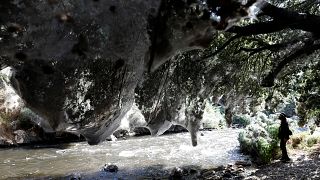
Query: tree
<point x="281" y="44"/>
<point x="277" y="19"/>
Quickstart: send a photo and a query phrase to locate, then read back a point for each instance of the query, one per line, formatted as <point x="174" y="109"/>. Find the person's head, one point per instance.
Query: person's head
<point x="282" y="116"/>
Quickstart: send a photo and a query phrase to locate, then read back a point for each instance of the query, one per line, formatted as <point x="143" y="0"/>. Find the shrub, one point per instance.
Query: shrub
<point x="212" y="117"/>
<point x="241" y="120"/>
<point x="295" y="141"/>
<point x="264" y="150"/>
<point x="312" y="140"/>
<point x="273" y="131"/>
<point x="260" y="141"/>
<point x="245" y="143"/>
<point x="299" y="139"/>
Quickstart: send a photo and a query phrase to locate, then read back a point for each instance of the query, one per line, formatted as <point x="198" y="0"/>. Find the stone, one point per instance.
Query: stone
<point x="243" y="163"/>
<point x="176" y="173"/>
<point x="193" y="171"/>
<point x="140" y="131"/>
<point x="208" y="172"/>
<point x="21" y="137"/>
<point x="220" y="168"/>
<point x="121" y="133"/>
<point x="240" y="169"/>
<point x="110" y="168"/>
<point x="227" y="175"/>
<point x="111" y="138"/>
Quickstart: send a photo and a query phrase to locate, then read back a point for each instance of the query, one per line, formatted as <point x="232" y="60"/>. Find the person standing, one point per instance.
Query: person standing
<point x="283" y="135"/>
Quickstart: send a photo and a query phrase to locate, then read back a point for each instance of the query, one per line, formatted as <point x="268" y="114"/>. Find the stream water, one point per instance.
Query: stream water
<point x="135" y="157"/>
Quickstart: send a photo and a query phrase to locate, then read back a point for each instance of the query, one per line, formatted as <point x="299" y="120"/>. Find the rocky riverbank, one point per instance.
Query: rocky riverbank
<point x="303" y="165"/>
<point x="16" y="137"/>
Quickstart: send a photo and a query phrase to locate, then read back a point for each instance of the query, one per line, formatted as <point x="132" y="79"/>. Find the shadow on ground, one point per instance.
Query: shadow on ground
<point x="302" y="168"/>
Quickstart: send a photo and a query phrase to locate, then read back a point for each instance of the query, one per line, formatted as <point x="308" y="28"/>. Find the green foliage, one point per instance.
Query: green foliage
<point x="241" y="120"/>
<point x="246" y="61"/>
<point x="264" y="149"/>
<point x="260" y="142"/>
<point x="245" y="142"/>
<point x="212" y="117"/>
<point x="273" y="131"/>
<point x="312" y="140"/>
<point x="25" y="118"/>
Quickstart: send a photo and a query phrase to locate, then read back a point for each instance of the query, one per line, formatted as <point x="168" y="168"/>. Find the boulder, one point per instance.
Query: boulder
<point x="176" y="129"/>
<point x="140" y="131"/>
<point x="176" y="173"/>
<point x="110" y="168"/>
<point x="21" y="137"/>
<point x="121" y="133"/>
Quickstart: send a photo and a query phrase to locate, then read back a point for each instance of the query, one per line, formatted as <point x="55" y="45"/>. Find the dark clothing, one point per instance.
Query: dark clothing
<point x="283" y="135"/>
<point x="284" y="131"/>
<point x="283" y="148"/>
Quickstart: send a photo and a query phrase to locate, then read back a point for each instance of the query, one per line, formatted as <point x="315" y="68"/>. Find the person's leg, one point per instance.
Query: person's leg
<point x="283" y="148"/>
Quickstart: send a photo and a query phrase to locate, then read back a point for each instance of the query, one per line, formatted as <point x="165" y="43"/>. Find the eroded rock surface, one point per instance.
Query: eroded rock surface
<point x="77" y="63"/>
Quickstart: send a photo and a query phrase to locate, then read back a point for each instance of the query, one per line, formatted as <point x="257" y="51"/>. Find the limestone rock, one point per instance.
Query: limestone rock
<point x="77" y="63"/>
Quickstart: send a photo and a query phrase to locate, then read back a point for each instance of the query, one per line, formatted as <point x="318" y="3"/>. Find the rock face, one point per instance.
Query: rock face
<point x="10" y="102"/>
<point x="10" y="105"/>
<point x="79" y="75"/>
<point x="18" y="124"/>
<point x="22" y="137"/>
<point x="6" y="136"/>
<point x="77" y="63"/>
<point x="173" y="95"/>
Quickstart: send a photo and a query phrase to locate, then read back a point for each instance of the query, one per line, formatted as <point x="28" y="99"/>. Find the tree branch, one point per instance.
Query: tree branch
<point x="258" y="28"/>
<point x="282" y="19"/>
<point x="308" y="48"/>
<point x="220" y="48"/>
<point x="270" y="47"/>
<point x="293" y="20"/>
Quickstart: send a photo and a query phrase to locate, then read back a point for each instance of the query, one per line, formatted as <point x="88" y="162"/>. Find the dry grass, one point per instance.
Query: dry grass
<point x="303" y="140"/>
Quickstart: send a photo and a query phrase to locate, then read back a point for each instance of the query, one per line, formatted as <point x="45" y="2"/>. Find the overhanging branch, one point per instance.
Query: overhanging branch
<point x="270" y="47"/>
<point x="224" y="45"/>
<point x="308" y="48"/>
<point x="258" y="28"/>
<point x="252" y="51"/>
<point x="282" y="19"/>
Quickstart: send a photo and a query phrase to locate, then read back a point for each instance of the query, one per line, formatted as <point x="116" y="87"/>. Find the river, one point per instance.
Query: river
<point x="136" y="157"/>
